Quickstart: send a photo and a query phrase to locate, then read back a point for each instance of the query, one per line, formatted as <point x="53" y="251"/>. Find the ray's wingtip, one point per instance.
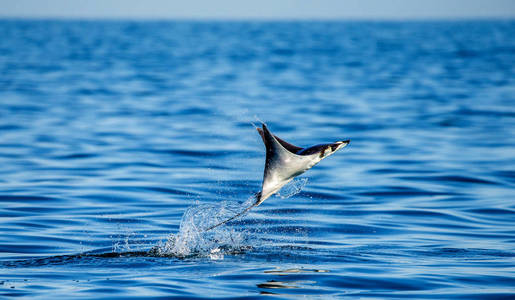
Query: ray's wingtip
<point x="262" y="128"/>
<point x="265" y="128"/>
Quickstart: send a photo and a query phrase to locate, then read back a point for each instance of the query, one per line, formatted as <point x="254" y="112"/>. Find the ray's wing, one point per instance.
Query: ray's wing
<point x="285" y="144"/>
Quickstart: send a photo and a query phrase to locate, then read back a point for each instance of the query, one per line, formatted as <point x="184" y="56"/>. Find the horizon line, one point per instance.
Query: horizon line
<point x="255" y="18"/>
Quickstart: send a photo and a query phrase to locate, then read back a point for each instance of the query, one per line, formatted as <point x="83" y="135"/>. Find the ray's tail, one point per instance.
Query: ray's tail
<point x="256" y="203"/>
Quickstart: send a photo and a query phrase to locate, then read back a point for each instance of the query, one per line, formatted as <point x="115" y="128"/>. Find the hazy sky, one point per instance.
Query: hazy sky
<point x="262" y="9"/>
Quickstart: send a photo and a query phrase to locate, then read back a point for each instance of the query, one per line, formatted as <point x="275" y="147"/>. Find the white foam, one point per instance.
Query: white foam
<point x="192" y="239"/>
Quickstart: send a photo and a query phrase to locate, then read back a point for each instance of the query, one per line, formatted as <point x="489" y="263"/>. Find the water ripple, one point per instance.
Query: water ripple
<point x="120" y="141"/>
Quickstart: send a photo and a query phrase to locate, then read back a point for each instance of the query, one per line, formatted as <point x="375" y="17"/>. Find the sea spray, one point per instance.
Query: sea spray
<point x="193" y="240"/>
<point x="292" y="188"/>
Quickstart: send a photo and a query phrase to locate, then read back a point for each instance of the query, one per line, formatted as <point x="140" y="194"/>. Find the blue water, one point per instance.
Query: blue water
<point x="113" y="133"/>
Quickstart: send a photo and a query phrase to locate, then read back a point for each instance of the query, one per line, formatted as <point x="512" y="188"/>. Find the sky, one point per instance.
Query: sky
<point x="258" y="9"/>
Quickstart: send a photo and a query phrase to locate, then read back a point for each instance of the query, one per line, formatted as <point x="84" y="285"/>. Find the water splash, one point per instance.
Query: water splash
<point x="257" y="119"/>
<point x="292" y="188"/>
<point x="193" y="240"/>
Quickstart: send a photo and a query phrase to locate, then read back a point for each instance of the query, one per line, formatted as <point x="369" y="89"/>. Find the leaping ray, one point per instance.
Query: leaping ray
<point x="284" y="162"/>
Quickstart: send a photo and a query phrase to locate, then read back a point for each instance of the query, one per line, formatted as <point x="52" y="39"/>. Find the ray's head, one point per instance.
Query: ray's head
<point x="331" y="148"/>
<point x="324" y="150"/>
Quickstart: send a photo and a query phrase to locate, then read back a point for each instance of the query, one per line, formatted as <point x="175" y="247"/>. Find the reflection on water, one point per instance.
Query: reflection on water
<point x="284" y="272"/>
<point x="287" y="281"/>
<point x="272" y="284"/>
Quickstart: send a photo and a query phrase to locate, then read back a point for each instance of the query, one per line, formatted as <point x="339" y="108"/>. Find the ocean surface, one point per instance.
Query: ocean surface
<point x="120" y="141"/>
